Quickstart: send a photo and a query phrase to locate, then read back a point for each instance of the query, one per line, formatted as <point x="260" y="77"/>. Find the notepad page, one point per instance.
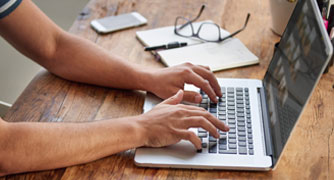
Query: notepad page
<point x="218" y="56"/>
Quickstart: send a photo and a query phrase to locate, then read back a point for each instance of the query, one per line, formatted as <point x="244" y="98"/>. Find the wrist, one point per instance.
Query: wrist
<point x="141" y="130"/>
<point x="146" y="80"/>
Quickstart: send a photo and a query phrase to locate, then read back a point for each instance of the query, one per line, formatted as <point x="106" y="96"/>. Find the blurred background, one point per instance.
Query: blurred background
<point x="16" y="71"/>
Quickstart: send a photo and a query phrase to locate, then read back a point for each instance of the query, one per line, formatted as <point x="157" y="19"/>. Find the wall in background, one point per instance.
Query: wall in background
<point x="16" y="71"/>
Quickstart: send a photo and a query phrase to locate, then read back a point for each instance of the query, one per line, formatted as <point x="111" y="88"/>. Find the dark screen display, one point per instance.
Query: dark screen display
<point x="297" y="63"/>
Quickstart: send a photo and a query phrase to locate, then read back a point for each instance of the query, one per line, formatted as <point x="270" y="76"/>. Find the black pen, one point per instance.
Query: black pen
<point x="167" y="46"/>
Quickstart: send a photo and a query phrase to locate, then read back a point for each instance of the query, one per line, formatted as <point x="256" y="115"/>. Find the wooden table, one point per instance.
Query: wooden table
<point x="309" y="153"/>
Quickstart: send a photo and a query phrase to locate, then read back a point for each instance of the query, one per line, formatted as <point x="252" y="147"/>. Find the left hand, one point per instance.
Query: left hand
<point x="168" y="81"/>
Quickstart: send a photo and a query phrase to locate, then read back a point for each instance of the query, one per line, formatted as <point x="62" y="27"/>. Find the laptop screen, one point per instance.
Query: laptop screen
<point x="298" y="60"/>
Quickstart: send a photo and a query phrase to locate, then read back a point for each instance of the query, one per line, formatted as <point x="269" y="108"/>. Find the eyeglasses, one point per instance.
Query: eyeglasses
<point x="207" y="31"/>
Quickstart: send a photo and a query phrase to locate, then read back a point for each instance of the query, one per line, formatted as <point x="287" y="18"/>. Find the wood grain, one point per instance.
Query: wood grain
<point x="309" y="153"/>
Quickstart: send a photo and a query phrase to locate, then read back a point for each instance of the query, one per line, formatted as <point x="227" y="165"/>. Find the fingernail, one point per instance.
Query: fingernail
<point x="227" y="128"/>
<point x="198" y="98"/>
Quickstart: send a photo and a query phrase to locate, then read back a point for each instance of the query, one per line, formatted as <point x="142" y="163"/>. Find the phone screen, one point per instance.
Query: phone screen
<point x="120" y="22"/>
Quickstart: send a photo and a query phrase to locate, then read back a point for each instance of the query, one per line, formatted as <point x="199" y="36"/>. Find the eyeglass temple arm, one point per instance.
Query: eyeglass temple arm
<point x="243" y="28"/>
<point x="198" y="15"/>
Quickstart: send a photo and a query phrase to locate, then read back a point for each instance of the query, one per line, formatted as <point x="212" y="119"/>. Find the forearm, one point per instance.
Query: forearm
<point x="40" y="146"/>
<point x="91" y="64"/>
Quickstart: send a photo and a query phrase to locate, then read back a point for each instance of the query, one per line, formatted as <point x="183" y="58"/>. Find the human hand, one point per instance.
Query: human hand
<point x="166" y="82"/>
<point x="168" y="123"/>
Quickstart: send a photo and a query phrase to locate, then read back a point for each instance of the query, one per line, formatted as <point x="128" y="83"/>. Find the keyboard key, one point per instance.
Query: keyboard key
<point x="232" y="126"/>
<point x="240" y="94"/>
<point x="230" y="103"/>
<point x="238" y="89"/>
<point x="242" y="139"/>
<point x="240" y="101"/>
<point x="241" y="129"/>
<point x="246" y="93"/>
<point x="249" y="125"/>
<point x="232" y="131"/>
<point x="250" y="136"/>
<point x="231" y="108"/>
<point x="221" y="108"/>
<point x="212" y="139"/>
<point x="204" y="145"/>
<point x="201" y="130"/>
<point x="250" y="141"/>
<point x="231" y="136"/>
<point x="231" y="112"/>
<point x="230" y="90"/>
<point x="222" y="141"/>
<point x="241" y="133"/>
<point x="222" y="137"/>
<point x="223" y="89"/>
<point x="212" y="147"/>
<point x="222" y="117"/>
<point x="230" y="99"/>
<point x="242" y="151"/>
<point x="243" y="144"/>
<point x="230" y="116"/>
<point x="247" y="106"/>
<point x="247" y="111"/>
<point x="222" y="112"/>
<point x="247" y="102"/>
<point x="213" y="110"/>
<point x="251" y="152"/>
<point x="230" y="151"/>
<point x="241" y="119"/>
<point x="240" y="106"/>
<point x="232" y="146"/>
<point x="240" y="98"/>
<point x="213" y="105"/>
<point x="202" y="135"/>
<point x="240" y="110"/>
<point x="204" y="101"/>
<point x="232" y="141"/>
<point x="199" y="150"/>
<point x="240" y="115"/>
<point x="241" y="124"/>
<point x="246" y="98"/>
<point x="222" y="146"/>
<point x="246" y="89"/>
<point x="250" y="146"/>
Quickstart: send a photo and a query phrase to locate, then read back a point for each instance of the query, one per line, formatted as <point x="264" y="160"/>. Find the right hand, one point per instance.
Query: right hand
<point x="168" y="123"/>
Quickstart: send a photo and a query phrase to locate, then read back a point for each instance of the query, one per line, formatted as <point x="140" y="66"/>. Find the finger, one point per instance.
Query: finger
<point x="206" y="67"/>
<point x="190" y="107"/>
<point x="217" y="123"/>
<point x="208" y="75"/>
<point x="202" y="122"/>
<point x="192" y="96"/>
<point x="190" y="136"/>
<point x="175" y="99"/>
<point x="203" y="84"/>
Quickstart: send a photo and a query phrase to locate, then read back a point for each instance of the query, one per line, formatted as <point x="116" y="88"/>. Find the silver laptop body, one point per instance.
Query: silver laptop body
<point x="263" y="113"/>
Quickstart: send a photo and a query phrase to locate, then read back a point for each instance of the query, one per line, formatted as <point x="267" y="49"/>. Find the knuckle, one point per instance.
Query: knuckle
<point x="186" y="71"/>
<point x="188" y="64"/>
<point x="206" y="84"/>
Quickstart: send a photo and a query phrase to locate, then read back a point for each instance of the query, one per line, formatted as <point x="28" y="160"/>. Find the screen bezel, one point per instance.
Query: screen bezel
<point x="329" y="51"/>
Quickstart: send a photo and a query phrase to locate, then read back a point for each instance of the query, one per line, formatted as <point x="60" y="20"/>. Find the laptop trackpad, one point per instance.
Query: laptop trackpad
<point x="182" y="151"/>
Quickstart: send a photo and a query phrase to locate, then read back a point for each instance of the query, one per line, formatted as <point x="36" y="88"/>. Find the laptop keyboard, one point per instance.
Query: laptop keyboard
<point x="232" y="109"/>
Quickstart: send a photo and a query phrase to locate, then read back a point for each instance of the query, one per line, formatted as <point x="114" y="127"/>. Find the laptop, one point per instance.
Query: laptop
<point x="261" y="114"/>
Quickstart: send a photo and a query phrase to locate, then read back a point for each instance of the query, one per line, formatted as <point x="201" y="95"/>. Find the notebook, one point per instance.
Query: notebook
<point x="218" y="56"/>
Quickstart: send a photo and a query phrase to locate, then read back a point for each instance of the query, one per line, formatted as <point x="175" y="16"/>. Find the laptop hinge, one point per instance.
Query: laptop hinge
<point x="266" y="122"/>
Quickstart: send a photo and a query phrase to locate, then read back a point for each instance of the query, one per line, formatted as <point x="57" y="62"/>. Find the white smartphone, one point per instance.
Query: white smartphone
<point x="114" y="23"/>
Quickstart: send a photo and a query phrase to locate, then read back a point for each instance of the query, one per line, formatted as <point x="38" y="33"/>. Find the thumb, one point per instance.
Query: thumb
<point x="176" y="99"/>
